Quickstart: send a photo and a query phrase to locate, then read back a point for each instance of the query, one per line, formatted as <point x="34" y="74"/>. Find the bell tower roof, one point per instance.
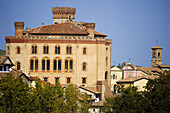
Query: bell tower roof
<point x="157" y="47"/>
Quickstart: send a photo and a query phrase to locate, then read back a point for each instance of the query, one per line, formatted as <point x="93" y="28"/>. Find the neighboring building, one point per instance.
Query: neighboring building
<point x="138" y="82"/>
<point x="5" y="64"/>
<point x="130" y="70"/>
<point x="66" y="51"/>
<point x="116" y="74"/>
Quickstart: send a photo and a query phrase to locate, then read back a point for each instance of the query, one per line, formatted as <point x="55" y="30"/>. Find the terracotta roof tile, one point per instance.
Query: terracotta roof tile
<point x="157" y="47"/>
<point x="149" y="70"/>
<point x="2" y="59"/>
<point x="91" y="89"/>
<point x="99" y="104"/>
<point x="63" y="28"/>
<point x="165" y="66"/>
<point x="133" y="79"/>
<point x="108" y="92"/>
<point x="99" y="34"/>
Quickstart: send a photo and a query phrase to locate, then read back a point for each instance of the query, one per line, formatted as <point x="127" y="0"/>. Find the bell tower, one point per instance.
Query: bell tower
<point x="156" y="56"/>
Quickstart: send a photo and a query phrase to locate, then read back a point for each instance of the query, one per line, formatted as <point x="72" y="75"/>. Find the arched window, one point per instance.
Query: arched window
<point x="106" y="61"/>
<point x="18" y="66"/>
<point x="84" y="80"/>
<point x="57" y="49"/>
<point x="68" y="80"/>
<point x="159" y="54"/>
<point x="46" y="49"/>
<point x="45" y="64"/>
<point x="57" y="64"/>
<point x="84" y="66"/>
<point x="34" y="64"/>
<point x="18" y="50"/>
<point x="84" y="50"/>
<point x="153" y="54"/>
<point x="68" y="65"/>
<point x="69" y="49"/>
<point x="34" y="49"/>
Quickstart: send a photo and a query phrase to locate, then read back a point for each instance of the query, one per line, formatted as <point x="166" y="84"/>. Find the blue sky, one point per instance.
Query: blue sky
<point x="133" y="25"/>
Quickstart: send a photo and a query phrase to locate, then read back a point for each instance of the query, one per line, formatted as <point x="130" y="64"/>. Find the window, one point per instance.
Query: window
<point x="18" y="50"/>
<point x="57" y="49"/>
<point x="106" y="61"/>
<point x="46" y="64"/>
<point x="45" y="79"/>
<point x="57" y="64"/>
<point x="56" y="79"/>
<point x="84" y="50"/>
<point x="68" y="80"/>
<point x="46" y="49"/>
<point x="34" y="49"/>
<point x="68" y="65"/>
<point x="34" y="64"/>
<point x="69" y="49"/>
<point x="84" y="66"/>
<point x="114" y="76"/>
<point x="159" y="54"/>
<point x="18" y="65"/>
<point x="153" y="54"/>
<point x="83" y="80"/>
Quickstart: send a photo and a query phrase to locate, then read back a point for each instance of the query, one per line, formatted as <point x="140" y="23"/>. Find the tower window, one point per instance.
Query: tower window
<point x="153" y="54"/>
<point x="8" y="50"/>
<point x="84" y="66"/>
<point x="56" y="79"/>
<point x="57" y="64"/>
<point x="45" y="79"/>
<point x="69" y="49"/>
<point x="68" y="65"/>
<point x="57" y="49"/>
<point x="159" y="54"/>
<point x="83" y="80"/>
<point x="68" y="79"/>
<point x="34" y="64"/>
<point x="46" y="49"/>
<point x="18" y="50"/>
<point x="84" y="50"/>
<point x="34" y="49"/>
<point x="18" y="65"/>
<point x="45" y="64"/>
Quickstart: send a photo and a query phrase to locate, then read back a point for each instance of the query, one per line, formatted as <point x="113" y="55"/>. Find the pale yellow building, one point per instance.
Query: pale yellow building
<point x="116" y="74"/>
<point x="65" y="51"/>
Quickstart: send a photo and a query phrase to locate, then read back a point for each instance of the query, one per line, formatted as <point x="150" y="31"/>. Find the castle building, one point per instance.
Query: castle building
<point x="65" y="51"/>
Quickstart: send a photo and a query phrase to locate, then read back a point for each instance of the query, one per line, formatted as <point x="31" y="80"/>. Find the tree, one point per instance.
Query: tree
<point x="158" y="94"/>
<point x="128" y="102"/>
<point x="14" y="95"/>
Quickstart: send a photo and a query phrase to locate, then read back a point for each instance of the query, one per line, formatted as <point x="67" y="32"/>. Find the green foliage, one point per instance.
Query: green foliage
<point x="17" y="97"/>
<point x="156" y="99"/>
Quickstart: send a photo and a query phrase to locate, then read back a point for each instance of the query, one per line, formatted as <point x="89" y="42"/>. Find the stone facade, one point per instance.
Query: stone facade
<point x="88" y="62"/>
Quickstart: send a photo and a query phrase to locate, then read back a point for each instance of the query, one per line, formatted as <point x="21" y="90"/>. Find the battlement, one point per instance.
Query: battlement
<point x="19" y="23"/>
<point x="63" y="10"/>
<point x="90" y="24"/>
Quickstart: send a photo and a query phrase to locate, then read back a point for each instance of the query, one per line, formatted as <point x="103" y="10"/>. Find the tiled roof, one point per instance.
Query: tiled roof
<point x="63" y="28"/>
<point x="149" y="70"/>
<point x="164" y="66"/>
<point x="157" y="47"/>
<point x="91" y="89"/>
<point x="14" y="72"/>
<point x="2" y="59"/>
<point x="133" y="79"/>
<point x="108" y="92"/>
<point x="99" y="34"/>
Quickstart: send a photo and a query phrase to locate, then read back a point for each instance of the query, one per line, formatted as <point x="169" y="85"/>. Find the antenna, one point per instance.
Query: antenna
<point x="129" y="60"/>
<point x="157" y="42"/>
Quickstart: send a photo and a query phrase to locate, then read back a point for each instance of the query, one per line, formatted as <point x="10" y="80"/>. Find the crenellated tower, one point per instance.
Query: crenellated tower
<point x="63" y="14"/>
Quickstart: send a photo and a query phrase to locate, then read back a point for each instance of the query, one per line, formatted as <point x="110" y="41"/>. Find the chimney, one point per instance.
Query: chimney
<point x="63" y="14"/>
<point x="90" y="29"/>
<point x="19" y="28"/>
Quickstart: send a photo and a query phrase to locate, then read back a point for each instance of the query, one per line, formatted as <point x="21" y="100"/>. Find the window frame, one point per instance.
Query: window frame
<point x="45" y="49"/>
